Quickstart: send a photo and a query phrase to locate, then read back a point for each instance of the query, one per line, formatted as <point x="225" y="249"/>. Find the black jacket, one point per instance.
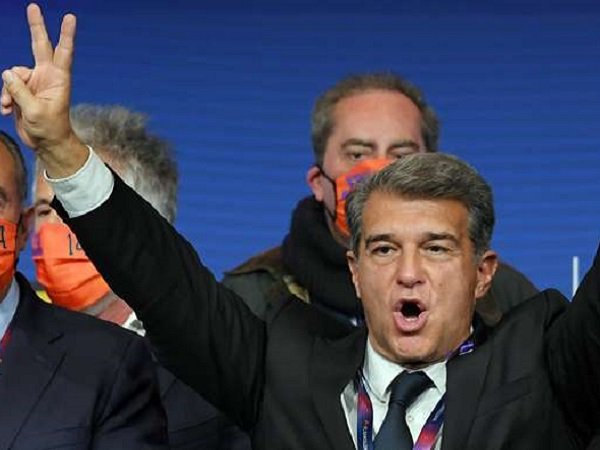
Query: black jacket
<point x="72" y="381"/>
<point x="532" y="383"/>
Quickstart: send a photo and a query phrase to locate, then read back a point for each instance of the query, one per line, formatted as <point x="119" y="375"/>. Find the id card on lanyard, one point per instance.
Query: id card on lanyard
<point x="430" y="431"/>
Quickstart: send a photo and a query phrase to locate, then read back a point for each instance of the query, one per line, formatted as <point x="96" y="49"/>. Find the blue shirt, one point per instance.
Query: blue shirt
<point x="8" y="306"/>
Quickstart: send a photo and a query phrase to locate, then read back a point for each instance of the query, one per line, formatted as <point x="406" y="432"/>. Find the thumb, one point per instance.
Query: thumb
<point x="17" y="89"/>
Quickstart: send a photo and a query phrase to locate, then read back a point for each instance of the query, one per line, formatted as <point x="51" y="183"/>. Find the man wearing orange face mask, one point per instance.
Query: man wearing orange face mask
<point x="66" y="380"/>
<point x="71" y="280"/>
<point x="359" y="126"/>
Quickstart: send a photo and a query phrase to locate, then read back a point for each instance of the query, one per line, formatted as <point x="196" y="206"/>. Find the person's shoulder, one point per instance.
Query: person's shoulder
<point x="259" y="281"/>
<point x="269" y="261"/>
<point x="295" y="318"/>
<point x="538" y="311"/>
<point x="512" y="280"/>
<point x="71" y="324"/>
<point x="86" y="335"/>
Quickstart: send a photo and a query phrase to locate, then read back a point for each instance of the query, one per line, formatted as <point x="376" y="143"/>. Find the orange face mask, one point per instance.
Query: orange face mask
<point x="344" y="184"/>
<point x="63" y="268"/>
<point x="8" y="254"/>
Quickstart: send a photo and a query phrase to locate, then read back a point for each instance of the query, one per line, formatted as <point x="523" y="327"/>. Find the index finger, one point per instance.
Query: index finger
<point x="63" y="54"/>
<point x="40" y="44"/>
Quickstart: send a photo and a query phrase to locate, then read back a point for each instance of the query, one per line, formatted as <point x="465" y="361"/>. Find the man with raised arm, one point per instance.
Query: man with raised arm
<point x="424" y="372"/>
<point x="123" y="141"/>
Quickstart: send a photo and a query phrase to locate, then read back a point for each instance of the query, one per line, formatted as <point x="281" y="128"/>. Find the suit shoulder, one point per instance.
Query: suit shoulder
<point x="543" y="308"/>
<point x="81" y="330"/>
<point x="269" y="260"/>
<point x="294" y="317"/>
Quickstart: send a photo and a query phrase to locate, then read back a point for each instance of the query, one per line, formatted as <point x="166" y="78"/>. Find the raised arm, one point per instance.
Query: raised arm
<point x="573" y="353"/>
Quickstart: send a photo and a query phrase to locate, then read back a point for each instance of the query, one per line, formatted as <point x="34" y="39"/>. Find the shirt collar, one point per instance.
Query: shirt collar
<point x="8" y="306"/>
<point x="379" y="373"/>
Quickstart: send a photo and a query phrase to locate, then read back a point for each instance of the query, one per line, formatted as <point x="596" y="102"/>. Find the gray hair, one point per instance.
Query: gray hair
<point x="144" y="161"/>
<point x="322" y="116"/>
<point x="429" y="176"/>
<point x="20" y="166"/>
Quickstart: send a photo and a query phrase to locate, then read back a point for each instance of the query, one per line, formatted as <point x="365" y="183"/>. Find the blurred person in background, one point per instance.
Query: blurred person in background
<point x="70" y="280"/>
<point x="359" y="125"/>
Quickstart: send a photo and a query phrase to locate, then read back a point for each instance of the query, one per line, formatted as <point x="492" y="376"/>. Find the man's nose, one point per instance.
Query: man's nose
<point x="409" y="271"/>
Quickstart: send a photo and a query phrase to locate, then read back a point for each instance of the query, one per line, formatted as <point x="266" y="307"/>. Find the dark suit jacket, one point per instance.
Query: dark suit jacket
<point x="532" y="383"/>
<point x="70" y="381"/>
<point x="193" y="423"/>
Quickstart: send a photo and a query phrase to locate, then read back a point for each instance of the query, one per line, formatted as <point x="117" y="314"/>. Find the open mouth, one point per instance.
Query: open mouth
<point x="410" y="315"/>
<point x="411" y="310"/>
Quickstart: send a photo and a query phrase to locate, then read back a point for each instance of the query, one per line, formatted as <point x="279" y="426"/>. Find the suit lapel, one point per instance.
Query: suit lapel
<point x="30" y="363"/>
<point x="333" y="365"/>
<point x="465" y="377"/>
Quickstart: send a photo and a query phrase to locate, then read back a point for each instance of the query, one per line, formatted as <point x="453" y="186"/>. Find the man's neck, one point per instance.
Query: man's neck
<point x="380" y="371"/>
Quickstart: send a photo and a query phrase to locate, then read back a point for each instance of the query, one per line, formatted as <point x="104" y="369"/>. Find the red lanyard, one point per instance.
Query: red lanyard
<point x="4" y="342"/>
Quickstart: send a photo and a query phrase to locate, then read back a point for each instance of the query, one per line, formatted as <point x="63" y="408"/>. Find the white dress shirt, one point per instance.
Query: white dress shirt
<point x="378" y="375"/>
<point x="8" y="306"/>
<point x="86" y="189"/>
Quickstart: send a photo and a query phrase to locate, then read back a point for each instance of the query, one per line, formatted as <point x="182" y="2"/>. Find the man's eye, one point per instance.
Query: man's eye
<point x="356" y="156"/>
<point x="43" y="212"/>
<point x="383" y="250"/>
<point x="437" y="249"/>
<point x="403" y="152"/>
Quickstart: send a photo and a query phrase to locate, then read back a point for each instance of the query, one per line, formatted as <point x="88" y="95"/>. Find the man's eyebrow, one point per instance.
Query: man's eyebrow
<point x="405" y="143"/>
<point x="441" y="237"/>
<point x="402" y="143"/>
<point x="386" y="237"/>
<point x="40" y="202"/>
<point x="355" y="141"/>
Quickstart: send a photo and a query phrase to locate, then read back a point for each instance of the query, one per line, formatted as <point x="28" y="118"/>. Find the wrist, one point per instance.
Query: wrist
<point x="64" y="157"/>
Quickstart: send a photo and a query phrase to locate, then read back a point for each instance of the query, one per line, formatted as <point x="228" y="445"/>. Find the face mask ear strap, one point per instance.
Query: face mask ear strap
<point x="332" y="215"/>
<point x="327" y="177"/>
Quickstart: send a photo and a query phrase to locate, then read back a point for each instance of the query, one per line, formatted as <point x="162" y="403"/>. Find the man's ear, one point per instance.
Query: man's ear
<point x="485" y="273"/>
<point x="352" y="260"/>
<point x="314" y="179"/>
<point x="24" y="228"/>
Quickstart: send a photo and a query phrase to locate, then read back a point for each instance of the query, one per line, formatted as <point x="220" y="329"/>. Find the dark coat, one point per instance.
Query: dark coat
<point x="72" y="381"/>
<point x="532" y="383"/>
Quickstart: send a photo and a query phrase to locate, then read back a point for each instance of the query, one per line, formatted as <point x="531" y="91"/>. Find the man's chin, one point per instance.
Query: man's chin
<point x="415" y="359"/>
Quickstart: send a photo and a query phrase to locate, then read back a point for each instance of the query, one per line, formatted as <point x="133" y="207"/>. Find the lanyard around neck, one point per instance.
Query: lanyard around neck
<point x="430" y="431"/>
<point x="4" y="342"/>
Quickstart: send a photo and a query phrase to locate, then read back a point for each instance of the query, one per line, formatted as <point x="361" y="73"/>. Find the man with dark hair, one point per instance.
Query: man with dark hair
<point x="146" y="163"/>
<point x="66" y="380"/>
<point x="358" y="126"/>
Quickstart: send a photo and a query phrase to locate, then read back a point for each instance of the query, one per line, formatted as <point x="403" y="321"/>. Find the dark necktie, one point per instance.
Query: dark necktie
<point x="394" y="433"/>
